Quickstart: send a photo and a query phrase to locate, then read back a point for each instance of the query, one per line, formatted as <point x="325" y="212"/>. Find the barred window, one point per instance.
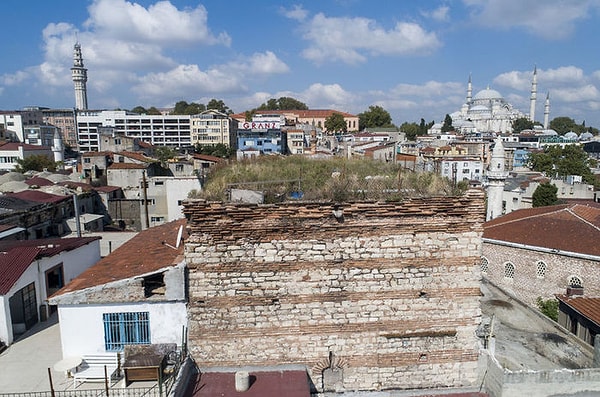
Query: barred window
<point x="122" y="329"/>
<point x="541" y="269"/>
<point x="509" y="270"/>
<point x="575" y="281"/>
<point x="484" y="265"/>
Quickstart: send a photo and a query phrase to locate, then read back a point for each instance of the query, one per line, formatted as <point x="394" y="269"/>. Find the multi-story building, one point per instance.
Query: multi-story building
<point x="161" y="130"/>
<point x="295" y="141"/>
<point x="263" y="133"/>
<point x="313" y="117"/>
<point x="212" y="127"/>
<point x="64" y="120"/>
<point x="461" y="168"/>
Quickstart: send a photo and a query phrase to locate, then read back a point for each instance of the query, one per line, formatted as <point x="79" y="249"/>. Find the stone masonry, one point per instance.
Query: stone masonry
<point x="367" y="295"/>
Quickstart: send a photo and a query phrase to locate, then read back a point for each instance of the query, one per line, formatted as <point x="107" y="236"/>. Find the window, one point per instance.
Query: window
<point x="575" y="281"/>
<point x="54" y="279"/>
<point x="509" y="270"/>
<point x="159" y="183"/>
<point x="122" y="329"/>
<point x="86" y="160"/>
<point x="541" y="269"/>
<point x="179" y="167"/>
<point x="484" y="265"/>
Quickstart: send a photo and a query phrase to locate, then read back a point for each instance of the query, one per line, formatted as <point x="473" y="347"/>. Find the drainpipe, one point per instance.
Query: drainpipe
<point x="77" y="222"/>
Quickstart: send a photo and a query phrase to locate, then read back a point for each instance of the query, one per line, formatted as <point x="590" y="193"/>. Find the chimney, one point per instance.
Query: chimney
<point x="242" y="381"/>
<point x="574" y="290"/>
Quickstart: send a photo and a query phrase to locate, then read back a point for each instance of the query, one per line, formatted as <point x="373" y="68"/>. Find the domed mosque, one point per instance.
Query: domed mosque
<point x="488" y="111"/>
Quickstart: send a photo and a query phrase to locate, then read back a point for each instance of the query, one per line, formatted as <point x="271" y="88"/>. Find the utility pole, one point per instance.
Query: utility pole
<point x="145" y="187"/>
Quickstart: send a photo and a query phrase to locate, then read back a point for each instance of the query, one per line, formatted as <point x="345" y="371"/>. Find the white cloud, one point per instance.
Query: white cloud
<point x="549" y="19"/>
<point x="185" y="81"/>
<point x="297" y="12"/>
<point x="584" y="93"/>
<point x="260" y="64"/>
<point x="350" y="40"/>
<point x="565" y="74"/>
<point x="14" y="78"/>
<point x="440" y="14"/>
<point x="427" y="90"/>
<point x="161" y="22"/>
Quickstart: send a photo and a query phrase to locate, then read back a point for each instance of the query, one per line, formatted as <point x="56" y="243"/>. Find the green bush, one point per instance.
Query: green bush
<point x="548" y="307"/>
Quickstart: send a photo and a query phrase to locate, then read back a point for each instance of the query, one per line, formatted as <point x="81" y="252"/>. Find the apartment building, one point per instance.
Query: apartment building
<point x="212" y="127"/>
<point x="161" y="130"/>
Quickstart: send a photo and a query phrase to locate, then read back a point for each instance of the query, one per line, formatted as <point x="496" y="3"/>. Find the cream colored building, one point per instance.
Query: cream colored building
<point x="212" y="127"/>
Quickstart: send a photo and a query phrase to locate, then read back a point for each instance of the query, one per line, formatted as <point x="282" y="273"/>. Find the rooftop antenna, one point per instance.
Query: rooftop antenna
<point x="179" y="234"/>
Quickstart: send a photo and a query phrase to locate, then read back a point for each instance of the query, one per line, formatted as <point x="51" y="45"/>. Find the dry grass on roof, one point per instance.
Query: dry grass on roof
<point x="337" y="179"/>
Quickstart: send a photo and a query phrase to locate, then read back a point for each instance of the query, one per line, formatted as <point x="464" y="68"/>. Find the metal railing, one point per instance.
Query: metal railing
<point x="153" y="391"/>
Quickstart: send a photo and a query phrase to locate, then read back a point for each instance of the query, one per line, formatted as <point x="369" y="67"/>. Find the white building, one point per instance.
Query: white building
<point x="31" y="271"/>
<point x="13" y="151"/>
<point x="212" y="127"/>
<point x="161" y="130"/>
<point x="142" y="284"/>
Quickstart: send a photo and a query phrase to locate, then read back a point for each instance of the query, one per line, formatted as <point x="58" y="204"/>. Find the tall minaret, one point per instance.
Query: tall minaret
<point x="58" y="147"/>
<point x="469" y="90"/>
<point x="547" y="111"/>
<point x="79" y="74"/>
<point x="533" y="95"/>
<point x="496" y="177"/>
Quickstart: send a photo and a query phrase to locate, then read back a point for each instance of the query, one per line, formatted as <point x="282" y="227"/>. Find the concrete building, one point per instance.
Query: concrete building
<point x="160" y="130"/>
<point x="365" y="296"/>
<point x="12" y="151"/>
<point x="313" y="117"/>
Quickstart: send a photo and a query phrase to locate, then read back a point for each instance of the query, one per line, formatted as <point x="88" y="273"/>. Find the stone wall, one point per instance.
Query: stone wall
<point x="366" y="295"/>
<point x="527" y="284"/>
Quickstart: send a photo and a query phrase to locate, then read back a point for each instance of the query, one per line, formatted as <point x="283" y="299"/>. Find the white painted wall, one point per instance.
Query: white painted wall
<point x="82" y="329"/>
<point x="74" y="262"/>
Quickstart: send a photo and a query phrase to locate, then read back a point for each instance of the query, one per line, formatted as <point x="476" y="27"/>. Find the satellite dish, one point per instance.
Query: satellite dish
<point x="179" y="234"/>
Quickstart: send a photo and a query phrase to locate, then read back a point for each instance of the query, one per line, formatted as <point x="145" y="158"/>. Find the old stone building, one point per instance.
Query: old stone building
<point x="366" y="295"/>
<point x="540" y="252"/>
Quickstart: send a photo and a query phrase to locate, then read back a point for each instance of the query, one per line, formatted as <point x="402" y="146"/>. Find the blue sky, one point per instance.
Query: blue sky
<point x="413" y="58"/>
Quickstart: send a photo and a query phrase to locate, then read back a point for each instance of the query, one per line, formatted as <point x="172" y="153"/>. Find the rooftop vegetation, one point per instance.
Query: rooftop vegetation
<point x="337" y="179"/>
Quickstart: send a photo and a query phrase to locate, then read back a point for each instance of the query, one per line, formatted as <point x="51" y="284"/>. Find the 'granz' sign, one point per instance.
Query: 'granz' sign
<point x="255" y="125"/>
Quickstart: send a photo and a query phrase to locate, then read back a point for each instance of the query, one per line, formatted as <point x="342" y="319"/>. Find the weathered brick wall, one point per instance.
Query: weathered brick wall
<point x="526" y="284"/>
<point x="384" y="297"/>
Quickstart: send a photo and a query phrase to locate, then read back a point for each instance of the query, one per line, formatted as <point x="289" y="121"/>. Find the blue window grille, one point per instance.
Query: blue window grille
<point x="122" y="329"/>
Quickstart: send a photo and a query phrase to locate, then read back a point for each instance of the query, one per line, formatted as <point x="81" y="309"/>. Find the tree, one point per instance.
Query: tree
<point x="447" y="126"/>
<point x="375" y="117"/>
<point x="555" y="161"/>
<point x="562" y="125"/>
<point x="410" y="129"/>
<point x="544" y="194"/>
<point x="164" y="154"/>
<point x="336" y="123"/>
<point x="218" y="105"/>
<point x="139" y="110"/>
<point x="182" y="107"/>
<point x="153" y="111"/>
<point x="283" y="103"/>
<point x="520" y="124"/>
<point x="218" y="150"/>
<point x="37" y="162"/>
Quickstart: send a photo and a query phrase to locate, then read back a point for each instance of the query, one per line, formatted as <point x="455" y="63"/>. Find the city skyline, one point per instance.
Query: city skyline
<point x="412" y="58"/>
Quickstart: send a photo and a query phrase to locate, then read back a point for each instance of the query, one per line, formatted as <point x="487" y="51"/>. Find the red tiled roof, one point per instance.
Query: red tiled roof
<point x="37" y="196"/>
<point x="127" y="166"/>
<point x="26" y="146"/>
<point x="588" y="307"/>
<point x="573" y="228"/>
<point x="86" y="187"/>
<point x="207" y="157"/>
<point x="137" y="156"/>
<point x="289" y="383"/>
<point x="17" y="255"/>
<point x="146" y="252"/>
<point x="39" y="181"/>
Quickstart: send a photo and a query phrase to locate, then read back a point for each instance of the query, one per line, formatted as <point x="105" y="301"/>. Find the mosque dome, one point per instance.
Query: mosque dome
<point x="586" y="136"/>
<point x="488" y="94"/>
<point x="571" y="135"/>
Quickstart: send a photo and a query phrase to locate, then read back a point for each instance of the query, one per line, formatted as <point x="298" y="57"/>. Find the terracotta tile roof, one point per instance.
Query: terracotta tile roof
<point x="15" y="203"/>
<point x="588" y="307"/>
<point x="146" y="252"/>
<point x="38" y="197"/>
<point x="137" y="156"/>
<point x="127" y="166"/>
<point x="207" y="157"/>
<point x="39" y="181"/>
<point x="86" y="187"/>
<point x="26" y="146"/>
<point x="96" y="154"/>
<point x="17" y="255"/>
<point x="569" y="227"/>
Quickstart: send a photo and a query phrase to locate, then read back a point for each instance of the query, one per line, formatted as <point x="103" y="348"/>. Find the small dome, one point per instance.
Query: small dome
<point x="488" y="93"/>
<point x="571" y="135"/>
<point x="479" y="108"/>
<point x="586" y="136"/>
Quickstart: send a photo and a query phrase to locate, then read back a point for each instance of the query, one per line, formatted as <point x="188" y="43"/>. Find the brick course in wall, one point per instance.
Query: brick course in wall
<point x="367" y="295"/>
